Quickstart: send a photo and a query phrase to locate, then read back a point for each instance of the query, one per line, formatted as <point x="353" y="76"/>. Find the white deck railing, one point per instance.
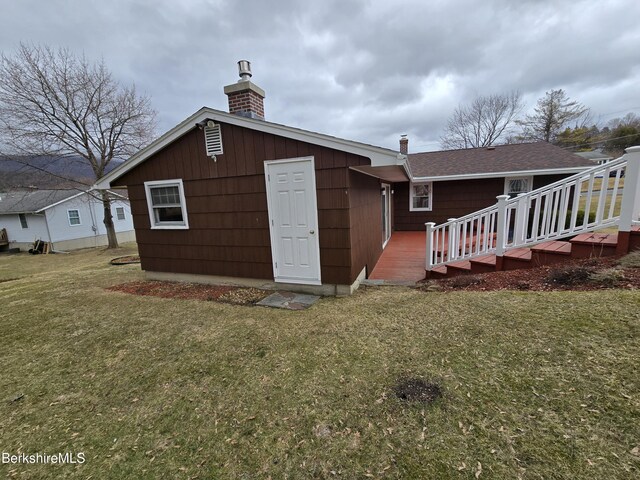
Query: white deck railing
<point x="587" y="201"/>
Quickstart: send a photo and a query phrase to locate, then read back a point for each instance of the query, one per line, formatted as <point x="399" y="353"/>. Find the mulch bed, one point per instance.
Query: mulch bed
<point x="193" y="291"/>
<point x="576" y="275"/>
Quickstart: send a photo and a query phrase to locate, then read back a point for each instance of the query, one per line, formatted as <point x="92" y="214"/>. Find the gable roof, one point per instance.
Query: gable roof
<point x="379" y="156"/>
<point x="504" y="160"/>
<point x="36" y="201"/>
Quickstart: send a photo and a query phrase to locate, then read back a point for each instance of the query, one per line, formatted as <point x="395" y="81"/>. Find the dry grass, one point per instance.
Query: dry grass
<point x="534" y="385"/>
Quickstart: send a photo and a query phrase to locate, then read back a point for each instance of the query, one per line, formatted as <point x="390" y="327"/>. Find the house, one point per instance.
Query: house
<point x="68" y="219"/>
<point x="452" y="183"/>
<point x="231" y="197"/>
<point x="597" y="156"/>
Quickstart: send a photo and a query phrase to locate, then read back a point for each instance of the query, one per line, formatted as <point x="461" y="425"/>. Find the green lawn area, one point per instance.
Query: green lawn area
<point x="536" y="385"/>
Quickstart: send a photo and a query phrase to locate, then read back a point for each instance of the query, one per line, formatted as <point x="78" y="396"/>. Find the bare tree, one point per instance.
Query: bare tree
<point x="552" y="115"/>
<point x="54" y="103"/>
<point x="484" y="122"/>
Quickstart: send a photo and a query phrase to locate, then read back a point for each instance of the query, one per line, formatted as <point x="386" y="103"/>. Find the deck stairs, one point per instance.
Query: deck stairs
<point x="586" y="245"/>
<point x="542" y="227"/>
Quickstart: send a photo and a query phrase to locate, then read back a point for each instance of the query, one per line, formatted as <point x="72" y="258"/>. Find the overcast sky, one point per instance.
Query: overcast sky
<point x="362" y="70"/>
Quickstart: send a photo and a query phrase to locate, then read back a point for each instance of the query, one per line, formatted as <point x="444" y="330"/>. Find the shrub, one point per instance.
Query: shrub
<point x="571" y="275"/>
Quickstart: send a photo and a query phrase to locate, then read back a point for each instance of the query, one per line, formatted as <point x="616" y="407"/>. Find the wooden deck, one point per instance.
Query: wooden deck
<point x="402" y="259"/>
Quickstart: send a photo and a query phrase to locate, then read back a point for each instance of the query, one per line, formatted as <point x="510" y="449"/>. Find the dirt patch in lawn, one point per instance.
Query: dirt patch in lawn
<point x="580" y="275"/>
<point x="417" y="390"/>
<point x="193" y="291"/>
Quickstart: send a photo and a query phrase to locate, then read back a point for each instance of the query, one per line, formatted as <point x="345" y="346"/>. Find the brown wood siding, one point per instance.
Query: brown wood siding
<point x="227" y="205"/>
<point x="366" y="222"/>
<point x="454" y="199"/>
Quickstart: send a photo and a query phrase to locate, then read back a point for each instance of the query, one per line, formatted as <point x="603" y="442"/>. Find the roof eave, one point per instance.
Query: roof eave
<point x="512" y="173"/>
<point x="378" y="156"/>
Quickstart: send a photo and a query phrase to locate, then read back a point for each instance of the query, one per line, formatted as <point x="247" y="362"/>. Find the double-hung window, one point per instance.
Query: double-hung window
<point x="23" y="220"/>
<point x="119" y="213"/>
<point x="74" y="217"/>
<point x="421" y="197"/>
<point x="167" y="206"/>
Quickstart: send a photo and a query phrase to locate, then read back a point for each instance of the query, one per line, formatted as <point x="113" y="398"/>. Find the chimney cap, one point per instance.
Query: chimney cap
<point x="244" y="70"/>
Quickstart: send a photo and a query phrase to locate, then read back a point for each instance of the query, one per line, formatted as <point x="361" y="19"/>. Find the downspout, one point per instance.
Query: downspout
<point x="46" y="223"/>
<point x="94" y="225"/>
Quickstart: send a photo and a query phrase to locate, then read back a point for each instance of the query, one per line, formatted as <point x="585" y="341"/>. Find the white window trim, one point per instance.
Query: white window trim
<point x="124" y="215"/>
<point x="528" y="178"/>
<point x="69" y="217"/>
<point x="23" y="216"/>
<point x="425" y="209"/>
<point x="183" y="204"/>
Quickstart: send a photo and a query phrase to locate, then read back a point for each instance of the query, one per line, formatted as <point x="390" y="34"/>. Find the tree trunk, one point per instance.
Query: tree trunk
<point x="108" y="220"/>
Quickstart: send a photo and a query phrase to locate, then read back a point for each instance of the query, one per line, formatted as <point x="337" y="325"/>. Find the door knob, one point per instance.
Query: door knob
<point x="311" y="232"/>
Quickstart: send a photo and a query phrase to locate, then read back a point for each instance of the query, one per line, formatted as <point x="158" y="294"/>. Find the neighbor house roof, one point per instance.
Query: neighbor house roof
<point x="595" y="156"/>
<point x="36" y="201"/>
<point x="379" y="156"/>
<point x="504" y="160"/>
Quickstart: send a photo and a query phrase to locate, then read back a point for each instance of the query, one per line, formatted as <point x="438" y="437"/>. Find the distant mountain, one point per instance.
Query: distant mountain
<point x="46" y="172"/>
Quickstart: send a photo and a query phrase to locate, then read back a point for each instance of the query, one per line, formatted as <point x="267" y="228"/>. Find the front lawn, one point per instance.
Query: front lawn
<point x="534" y="384"/>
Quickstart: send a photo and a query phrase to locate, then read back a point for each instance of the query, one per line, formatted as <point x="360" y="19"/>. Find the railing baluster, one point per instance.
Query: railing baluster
<point x="614" y="193"/>
<point x="602" y="198"/>
<point x="587" y="206"/>
<point x="575" y="206"/>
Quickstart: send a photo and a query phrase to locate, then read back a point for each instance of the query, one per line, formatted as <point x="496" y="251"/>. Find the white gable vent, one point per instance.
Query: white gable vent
<point x="213" y="139"/>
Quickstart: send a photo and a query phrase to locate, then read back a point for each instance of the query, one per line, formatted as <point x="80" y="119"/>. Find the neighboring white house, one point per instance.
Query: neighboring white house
<point x="68" y="219"/>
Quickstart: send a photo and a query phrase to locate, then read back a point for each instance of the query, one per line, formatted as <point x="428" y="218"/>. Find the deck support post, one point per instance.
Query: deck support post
<point x="501" y="230"/>
<point x="630" y="209"/>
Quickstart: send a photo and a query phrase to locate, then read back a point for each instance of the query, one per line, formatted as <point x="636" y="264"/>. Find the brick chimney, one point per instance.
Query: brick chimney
<point x="245" y="98"/>
<point x="404" y="144"/>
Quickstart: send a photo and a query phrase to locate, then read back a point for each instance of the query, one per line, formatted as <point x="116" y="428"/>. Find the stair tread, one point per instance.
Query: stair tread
<point x="519" y="253"/>
<point x="610" y="239"/>
<point x="489" y="259"/>
<point x="441" y="269"/>
<point x="461" y="265"/>
<point x="554" y="247"/>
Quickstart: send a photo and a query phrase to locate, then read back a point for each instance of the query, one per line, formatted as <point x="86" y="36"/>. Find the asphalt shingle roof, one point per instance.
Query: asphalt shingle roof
<point x="30" y="201"/>
<point x="519" y="157"/>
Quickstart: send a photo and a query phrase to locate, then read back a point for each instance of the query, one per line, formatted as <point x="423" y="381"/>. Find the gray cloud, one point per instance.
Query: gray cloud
<point x="365" y="70"/>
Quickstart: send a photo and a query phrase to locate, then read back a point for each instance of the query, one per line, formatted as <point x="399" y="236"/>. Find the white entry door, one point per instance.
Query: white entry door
<point x="293" y="220"/>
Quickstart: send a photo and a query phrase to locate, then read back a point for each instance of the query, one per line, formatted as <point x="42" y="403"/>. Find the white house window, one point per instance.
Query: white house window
<point x="513" y="186"/>
<point x="167" y="205"/>
<point x="420" y="197"/>
<point x="120" y="213"/>
<point x="23" y="220"/>
<point x="74" y="217"/>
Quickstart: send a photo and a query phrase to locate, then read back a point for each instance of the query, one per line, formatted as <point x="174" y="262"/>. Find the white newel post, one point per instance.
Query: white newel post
<point x="631" y="192"/>
<point x="453" y="232"/>
<point x="429" y="258"/>
<point x="501" y="233"/>
<point x="522" y="215"/>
